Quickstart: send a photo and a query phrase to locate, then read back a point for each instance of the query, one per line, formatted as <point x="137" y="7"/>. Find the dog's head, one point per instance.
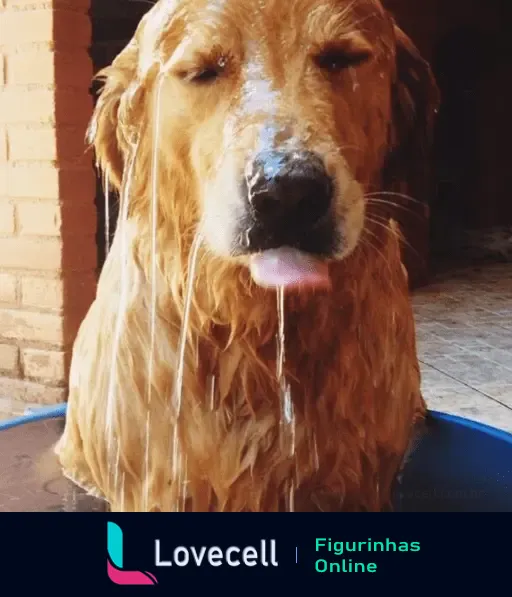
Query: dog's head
<point x="270" y="119"/>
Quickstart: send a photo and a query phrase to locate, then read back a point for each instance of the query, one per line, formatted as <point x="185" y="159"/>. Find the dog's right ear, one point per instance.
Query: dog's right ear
<point x="105" y="132"/>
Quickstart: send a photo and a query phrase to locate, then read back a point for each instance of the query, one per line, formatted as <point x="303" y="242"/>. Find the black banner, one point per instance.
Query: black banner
<point x="120" y="553"/>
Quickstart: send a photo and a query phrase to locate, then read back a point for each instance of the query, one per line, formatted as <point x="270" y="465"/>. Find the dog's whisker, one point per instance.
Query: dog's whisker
<point x="378" y="203"/>
<point x="378" y="194"/>
<point x="384" y="223"/>
<point x="366" y="241"/>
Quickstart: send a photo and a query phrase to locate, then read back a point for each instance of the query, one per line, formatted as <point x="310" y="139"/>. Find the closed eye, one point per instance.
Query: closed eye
<point x="207" y="75"/>
<point x="333" y="61"/>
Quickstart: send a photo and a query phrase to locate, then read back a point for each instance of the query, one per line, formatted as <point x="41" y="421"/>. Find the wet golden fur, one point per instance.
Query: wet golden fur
<point x="350" y="353"/>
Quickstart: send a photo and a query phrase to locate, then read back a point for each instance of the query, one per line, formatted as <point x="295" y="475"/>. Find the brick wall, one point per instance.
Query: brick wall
<point x="47" y="187"/>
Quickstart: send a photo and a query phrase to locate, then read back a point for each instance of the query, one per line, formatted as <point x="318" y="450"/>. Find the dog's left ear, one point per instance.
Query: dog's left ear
<point x="104" y="132"/>
<point x="416" y="100"/>
<point x="407" y="171"/>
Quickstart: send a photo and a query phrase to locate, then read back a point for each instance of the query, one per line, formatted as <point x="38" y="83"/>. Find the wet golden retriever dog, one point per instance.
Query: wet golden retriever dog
<point x="248" y="140"/>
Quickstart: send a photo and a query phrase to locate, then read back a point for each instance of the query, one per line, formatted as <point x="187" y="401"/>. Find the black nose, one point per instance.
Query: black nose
<point x="289" y="189"/>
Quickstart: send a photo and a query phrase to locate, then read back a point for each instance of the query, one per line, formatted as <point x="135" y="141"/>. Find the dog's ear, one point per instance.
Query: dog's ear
<point x="407" y="172"/>
<point x="104" y="132"/>
<point x="416" y="99"/>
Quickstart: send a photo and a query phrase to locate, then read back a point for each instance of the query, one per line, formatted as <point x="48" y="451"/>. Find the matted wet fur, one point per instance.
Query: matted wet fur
<point x="350" y="351"/>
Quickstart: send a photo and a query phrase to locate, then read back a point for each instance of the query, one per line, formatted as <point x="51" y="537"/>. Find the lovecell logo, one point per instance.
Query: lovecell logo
<point x="115" y="570"/>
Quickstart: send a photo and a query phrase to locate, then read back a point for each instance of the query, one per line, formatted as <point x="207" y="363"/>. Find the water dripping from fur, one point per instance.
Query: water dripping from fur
<point x="178" y="462"/>
<point x="153" y="300"/>
<point x="316" y="459"/>
<point x="122" y="500"/>
<point x="106" y="186"/>
<point x="288" y="423"/>
<point x="212" y="393"/>
<point x="123" y="304"/>
<point x="285" y="396"/>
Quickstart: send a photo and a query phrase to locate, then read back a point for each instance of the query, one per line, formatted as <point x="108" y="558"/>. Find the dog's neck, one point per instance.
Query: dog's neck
<point x="224" y="297"/>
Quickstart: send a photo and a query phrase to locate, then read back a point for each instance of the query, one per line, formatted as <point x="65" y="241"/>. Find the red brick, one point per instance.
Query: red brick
<point x="73" y="106"/>
<point x="74" y="68"/>
<point x="72" y="28"/>
<point x="31" y="326"/>
<point x="7" y="221"/>
<point x="78" y="185"/>
<point x="44" y="365"/>
<point x="32" y="392"/>
<point x="9" y="358"/>
<point x="8" y="286"/>
<point x="72" y="145"/>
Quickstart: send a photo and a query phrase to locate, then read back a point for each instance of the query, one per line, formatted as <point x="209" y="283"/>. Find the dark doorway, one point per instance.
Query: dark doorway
<point x="470" y="205"/>
<point x="113" y="25"/>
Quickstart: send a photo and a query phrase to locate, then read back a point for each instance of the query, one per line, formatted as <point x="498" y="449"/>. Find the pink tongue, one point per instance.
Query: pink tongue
<point x="288" y="267"/>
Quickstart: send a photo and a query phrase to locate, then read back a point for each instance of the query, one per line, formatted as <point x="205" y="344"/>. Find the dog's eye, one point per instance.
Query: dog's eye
<point x="210" y="72"/>
<point x="334" y="61"/>
<point x="207" y="75"/>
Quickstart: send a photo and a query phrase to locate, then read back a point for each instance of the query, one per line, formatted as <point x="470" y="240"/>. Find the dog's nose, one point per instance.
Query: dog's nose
<point x="289" y="189"/>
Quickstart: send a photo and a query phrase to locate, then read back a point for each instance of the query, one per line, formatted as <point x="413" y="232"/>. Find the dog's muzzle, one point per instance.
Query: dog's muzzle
<point x="288" y="203"/>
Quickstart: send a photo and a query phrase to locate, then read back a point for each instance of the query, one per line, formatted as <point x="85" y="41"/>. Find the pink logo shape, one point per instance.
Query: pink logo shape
<point x="129" y="577"/>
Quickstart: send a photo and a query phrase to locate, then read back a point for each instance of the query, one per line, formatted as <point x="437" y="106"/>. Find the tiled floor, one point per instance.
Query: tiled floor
<point x="464" y="328"/>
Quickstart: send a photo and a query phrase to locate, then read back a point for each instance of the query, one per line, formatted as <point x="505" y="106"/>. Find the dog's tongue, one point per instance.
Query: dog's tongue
<point x="288" y="268"/>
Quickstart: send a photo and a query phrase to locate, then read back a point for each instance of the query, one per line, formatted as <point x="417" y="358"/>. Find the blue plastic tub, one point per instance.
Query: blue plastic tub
<point x="459" y="465"/>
